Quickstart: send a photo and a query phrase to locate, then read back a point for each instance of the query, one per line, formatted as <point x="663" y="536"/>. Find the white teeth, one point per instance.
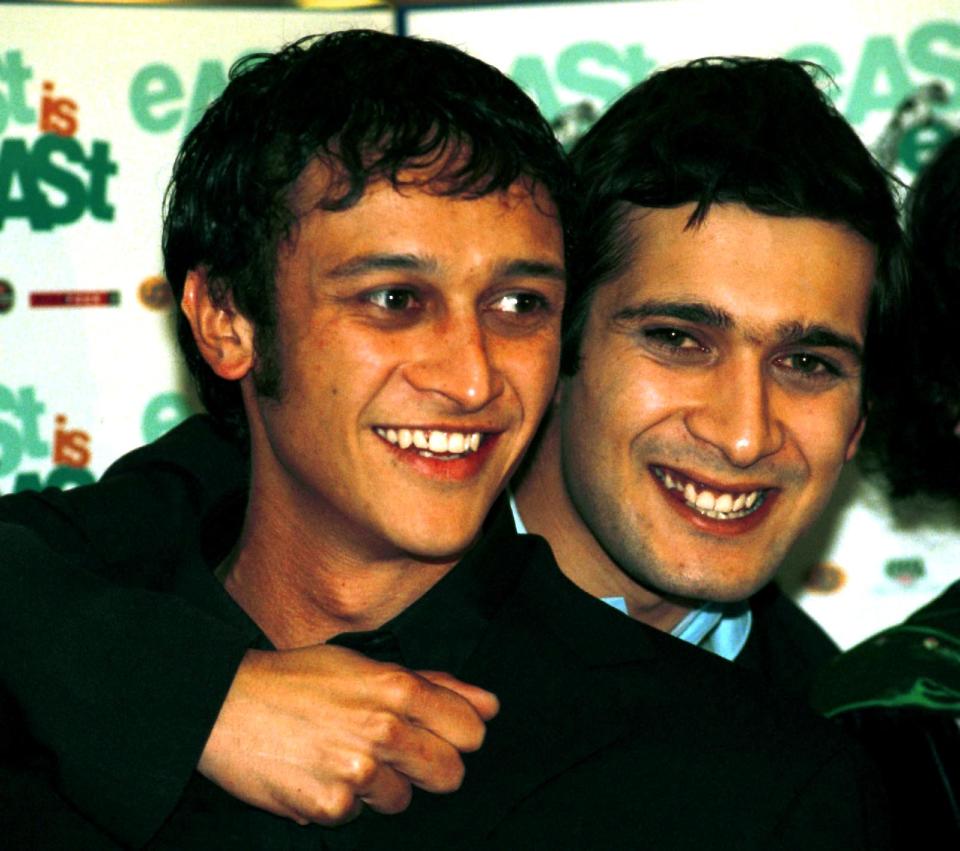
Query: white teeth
<point x="725" y="506"/>
<point x="433" y="442"/>
<point x="705" y="501"/>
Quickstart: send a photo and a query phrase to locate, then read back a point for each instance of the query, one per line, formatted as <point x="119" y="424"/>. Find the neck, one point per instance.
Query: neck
<point x="547" y="510"/>
<point x="304" y="576"/>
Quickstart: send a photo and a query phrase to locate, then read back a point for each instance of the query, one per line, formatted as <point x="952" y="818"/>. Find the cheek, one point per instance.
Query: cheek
<point x="826" y="436"/>
<point x="532" y="367"/>
<point x="630" y="395"/>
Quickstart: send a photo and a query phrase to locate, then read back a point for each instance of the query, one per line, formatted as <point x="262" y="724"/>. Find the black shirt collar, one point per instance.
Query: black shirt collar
<point x="439" y="631"/>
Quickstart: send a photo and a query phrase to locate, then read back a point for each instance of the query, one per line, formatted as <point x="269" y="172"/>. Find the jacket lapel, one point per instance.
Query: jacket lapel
<point x="567" y="668"/>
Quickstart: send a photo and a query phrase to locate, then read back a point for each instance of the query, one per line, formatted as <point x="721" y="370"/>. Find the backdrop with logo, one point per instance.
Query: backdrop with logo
<point x="88" y="133"/>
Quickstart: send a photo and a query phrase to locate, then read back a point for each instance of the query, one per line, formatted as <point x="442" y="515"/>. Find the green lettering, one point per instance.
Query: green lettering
<point x="100" y="168"/>
<point x="151" y="88"/>
<point x="162" y="413"/>
<point x="69" y="477"/>
<point x="573" y="62"/>
<point x="16" y="163"/>
<point x="919" y="144"/>
<point x="881" y="81"/>
<point x="824" y="56"/>
<point x="47" y="171"/>
<point x="531" y="75"/>
<point x="15" y="74"/>
<point x="11" y="452"/>
<point x="925" y="51"/>
<point x="211" y="81"/>
<point x="27" y="482"/>
<point x="29" y="410"/>
<point x="637" y="63"/>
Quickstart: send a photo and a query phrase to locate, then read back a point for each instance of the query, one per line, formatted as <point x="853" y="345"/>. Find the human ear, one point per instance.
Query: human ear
<point x="855" y="436"/>
<point x="223" y="335"/>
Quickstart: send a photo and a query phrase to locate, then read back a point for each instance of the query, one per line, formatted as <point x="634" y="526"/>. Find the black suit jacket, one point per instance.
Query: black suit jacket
<point x="109" y="763"/>
<point x="611" y="735"/>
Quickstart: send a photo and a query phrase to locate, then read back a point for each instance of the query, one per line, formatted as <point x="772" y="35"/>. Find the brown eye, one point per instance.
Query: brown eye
<point x="392" y="299"/>
<point x="520" y="303"/>
<point x="672" y="338"/>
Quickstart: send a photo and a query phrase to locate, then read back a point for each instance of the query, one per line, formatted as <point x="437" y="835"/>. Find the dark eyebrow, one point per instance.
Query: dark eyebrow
<point x="700" y="313"/>
<point x="532" y="269"/>
<point x="689" y="311"/>
<point x="818" y="336"/>
<point x="365" y="263"/>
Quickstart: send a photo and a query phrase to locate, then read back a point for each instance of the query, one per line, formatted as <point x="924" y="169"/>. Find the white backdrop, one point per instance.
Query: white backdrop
<point x="95" y="100"/>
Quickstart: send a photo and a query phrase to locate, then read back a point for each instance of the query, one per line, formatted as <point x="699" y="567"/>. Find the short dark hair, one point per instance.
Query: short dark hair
<point x="911" y="432"/>
<point x="369" y="104"/>
<point x="757" y="132"/>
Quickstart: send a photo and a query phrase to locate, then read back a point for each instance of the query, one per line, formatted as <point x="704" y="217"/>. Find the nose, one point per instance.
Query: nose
<point x="456" y="363"/>
<point x="735" y="414"/>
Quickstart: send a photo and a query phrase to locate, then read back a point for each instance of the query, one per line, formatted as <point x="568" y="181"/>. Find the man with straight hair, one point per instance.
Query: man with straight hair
<point x="738" y="255"/>
<point x="601" y="718"/>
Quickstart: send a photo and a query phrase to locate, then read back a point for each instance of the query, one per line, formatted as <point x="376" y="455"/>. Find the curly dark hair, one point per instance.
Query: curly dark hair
<point x="911" y="431"/>
<point x="369" y="104"/>
<point x="757" y="132"/>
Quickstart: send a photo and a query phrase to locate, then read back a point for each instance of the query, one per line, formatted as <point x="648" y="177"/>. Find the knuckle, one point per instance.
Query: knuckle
<point x="402" y="688"/>
<point x="332" y="805"/>
<point x="385" y="729"/>
<point x="360" y="771"/>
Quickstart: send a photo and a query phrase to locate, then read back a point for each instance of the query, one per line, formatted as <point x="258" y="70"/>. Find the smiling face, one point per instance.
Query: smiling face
<point x="417" y="340"/>
<point x="718" y="395"/>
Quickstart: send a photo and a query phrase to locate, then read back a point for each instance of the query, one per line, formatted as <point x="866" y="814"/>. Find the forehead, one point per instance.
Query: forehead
<point x="763" y="271"/>
<point x="412" y="215"/>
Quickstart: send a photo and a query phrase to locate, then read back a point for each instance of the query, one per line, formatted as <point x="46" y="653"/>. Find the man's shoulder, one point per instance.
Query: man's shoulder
<point x="606" y="724"/>
<point x="198" y="447"/>
<point x="786" y="645"/>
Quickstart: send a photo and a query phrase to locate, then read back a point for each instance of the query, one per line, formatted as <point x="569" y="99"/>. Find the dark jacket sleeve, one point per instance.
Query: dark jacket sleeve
<point x="843" y="807"/>
<point x="118" y="680"/>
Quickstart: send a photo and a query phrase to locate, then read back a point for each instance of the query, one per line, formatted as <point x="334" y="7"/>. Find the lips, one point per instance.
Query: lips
<point x="441" y="455"/>
<point x="433" y="443"/>
<point x="710" y="501"/>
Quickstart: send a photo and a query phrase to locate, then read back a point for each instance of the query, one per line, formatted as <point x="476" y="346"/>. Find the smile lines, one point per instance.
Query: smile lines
<point x="433" y="443"/>
<point x="718" y="506"/>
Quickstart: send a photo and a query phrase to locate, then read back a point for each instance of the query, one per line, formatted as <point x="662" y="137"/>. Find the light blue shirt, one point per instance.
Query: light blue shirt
<point x="721" y="628"/>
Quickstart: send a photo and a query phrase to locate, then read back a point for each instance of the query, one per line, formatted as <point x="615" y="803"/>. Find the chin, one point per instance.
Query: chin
<point x="698" y="590"/>
<point x="433" y="548"/>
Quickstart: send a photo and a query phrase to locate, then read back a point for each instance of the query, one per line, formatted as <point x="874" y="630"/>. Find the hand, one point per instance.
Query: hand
<point x="315" y="733"/>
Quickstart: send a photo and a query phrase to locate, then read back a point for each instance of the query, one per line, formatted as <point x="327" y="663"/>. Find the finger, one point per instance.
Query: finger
<point x="484" y="702"/>
<point x="388" y="792"/>
<point x="328" y="804"/>
<point x="415" y="700"/>
<point x="425" y="759"/>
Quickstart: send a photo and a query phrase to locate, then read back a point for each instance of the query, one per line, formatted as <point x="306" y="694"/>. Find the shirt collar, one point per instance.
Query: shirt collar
<point x="720" y="628"/>
<point x="441" y="629"/>
<point x="438" y="631"/>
